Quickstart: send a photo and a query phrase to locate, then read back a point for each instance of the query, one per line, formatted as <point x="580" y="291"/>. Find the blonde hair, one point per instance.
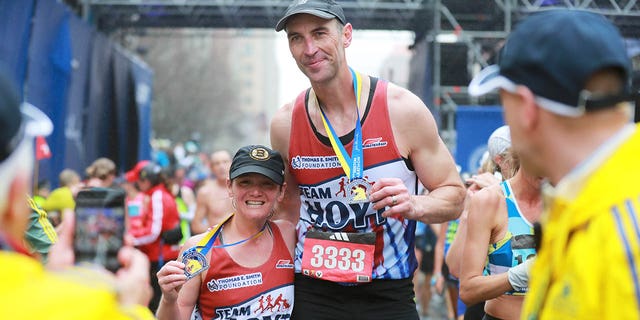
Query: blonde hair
<point x="101" y="168"/>
<point x="67" y="177"/>
<point x="508" y="163"/>
<point x="487" y="164"/>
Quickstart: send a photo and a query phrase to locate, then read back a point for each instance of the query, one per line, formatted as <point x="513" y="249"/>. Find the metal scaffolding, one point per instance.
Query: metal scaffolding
<point x="366" y="14"/>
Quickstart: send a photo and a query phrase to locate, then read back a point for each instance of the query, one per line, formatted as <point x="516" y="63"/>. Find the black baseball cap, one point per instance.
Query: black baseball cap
<point x="326" y="9"/>
<point x="258" y="159"/>
<point x="554" y="53"/>
<point x="18" y="120"/>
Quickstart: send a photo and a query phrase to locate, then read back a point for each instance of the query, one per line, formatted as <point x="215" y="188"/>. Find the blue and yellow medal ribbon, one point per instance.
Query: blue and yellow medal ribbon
<point x="206" y="243"/>
<point x="194" y="258"/>
<point x="353" y="165"/>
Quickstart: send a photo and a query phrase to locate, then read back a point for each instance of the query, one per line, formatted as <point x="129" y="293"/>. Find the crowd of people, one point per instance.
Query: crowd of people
<point x="357" y="210"/>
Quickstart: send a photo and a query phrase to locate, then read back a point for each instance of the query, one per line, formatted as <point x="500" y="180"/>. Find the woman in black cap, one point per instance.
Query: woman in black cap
<point x="242" y="267"/>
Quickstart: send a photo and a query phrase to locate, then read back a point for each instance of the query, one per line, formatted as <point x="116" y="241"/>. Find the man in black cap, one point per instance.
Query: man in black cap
<point x="563" y="77"/>
<point x="355" y="147"/>
<point x="28" y="290"/>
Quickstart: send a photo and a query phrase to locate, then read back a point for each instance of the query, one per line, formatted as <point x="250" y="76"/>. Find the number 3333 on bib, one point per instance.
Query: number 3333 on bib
<point x="338" y="256"/>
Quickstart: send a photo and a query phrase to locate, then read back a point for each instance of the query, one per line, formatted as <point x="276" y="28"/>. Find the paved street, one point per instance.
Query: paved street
<point x="437" y="309"/>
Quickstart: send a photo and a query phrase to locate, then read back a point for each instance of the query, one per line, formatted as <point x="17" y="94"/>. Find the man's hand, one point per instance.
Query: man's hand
<point x="132" y="280"/>
<point x="393" y="194"/>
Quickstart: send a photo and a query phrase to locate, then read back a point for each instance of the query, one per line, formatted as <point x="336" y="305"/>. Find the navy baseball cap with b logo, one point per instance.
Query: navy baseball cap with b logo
<point x="258" y="159"/>
<point x="554" y="53"/>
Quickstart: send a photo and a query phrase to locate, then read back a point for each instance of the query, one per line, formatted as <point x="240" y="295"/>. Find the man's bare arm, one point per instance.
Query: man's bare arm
<point x="417" y="138"/>
<point x="289" y="207"/>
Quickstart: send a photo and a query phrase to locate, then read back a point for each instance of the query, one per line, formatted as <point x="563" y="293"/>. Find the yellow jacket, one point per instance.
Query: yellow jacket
<point x="27" y="291"/>
<point x="59" y="199"/>
<point x="588" y="266"/>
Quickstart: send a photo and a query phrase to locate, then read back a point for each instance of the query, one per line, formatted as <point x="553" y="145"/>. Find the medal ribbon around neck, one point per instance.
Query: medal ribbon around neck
<point x="206" y="243"/>
<point x="352" y="165"/>
<point x="194" y="258"/>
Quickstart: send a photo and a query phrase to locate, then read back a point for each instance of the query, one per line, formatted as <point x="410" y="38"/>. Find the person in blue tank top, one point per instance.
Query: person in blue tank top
<point x="499" y="240"/>
<point x="498" y="164"/>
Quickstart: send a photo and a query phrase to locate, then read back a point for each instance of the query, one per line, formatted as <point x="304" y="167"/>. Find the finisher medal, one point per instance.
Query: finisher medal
<point x="358" y="190"/>
<point x="194" y="262"/>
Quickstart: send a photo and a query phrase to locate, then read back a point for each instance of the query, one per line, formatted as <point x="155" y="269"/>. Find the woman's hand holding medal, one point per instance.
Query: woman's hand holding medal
<point x="171" y="278"/>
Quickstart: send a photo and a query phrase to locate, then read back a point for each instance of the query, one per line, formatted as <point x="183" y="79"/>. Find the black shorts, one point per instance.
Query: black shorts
<point x="381" y="299"/>
<point x="475" y="312"/>
<point x="427" y="261"/>
<point x="427" y="248"/>
<point x="487" y="317"/>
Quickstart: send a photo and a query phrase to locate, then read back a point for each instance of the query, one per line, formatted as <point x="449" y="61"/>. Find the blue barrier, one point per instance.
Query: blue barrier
<point x="75" y="75"/>
<point x="474" y="125"/>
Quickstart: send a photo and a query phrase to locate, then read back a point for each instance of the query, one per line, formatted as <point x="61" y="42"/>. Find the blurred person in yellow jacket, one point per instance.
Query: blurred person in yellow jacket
<point x="28" y="290"/>
<point x="62" y="197"/>
<point x="564" y="82"/>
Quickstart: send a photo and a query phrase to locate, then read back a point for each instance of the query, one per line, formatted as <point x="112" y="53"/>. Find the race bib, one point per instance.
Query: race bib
<point x="339" y="256"/>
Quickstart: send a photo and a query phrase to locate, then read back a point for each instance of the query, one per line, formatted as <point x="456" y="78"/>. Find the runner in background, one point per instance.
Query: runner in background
<point x="498" y="163"/>
<point x="185" y="200"/>
<point x="212" y="200"/>
<point x="499" y="243"/>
